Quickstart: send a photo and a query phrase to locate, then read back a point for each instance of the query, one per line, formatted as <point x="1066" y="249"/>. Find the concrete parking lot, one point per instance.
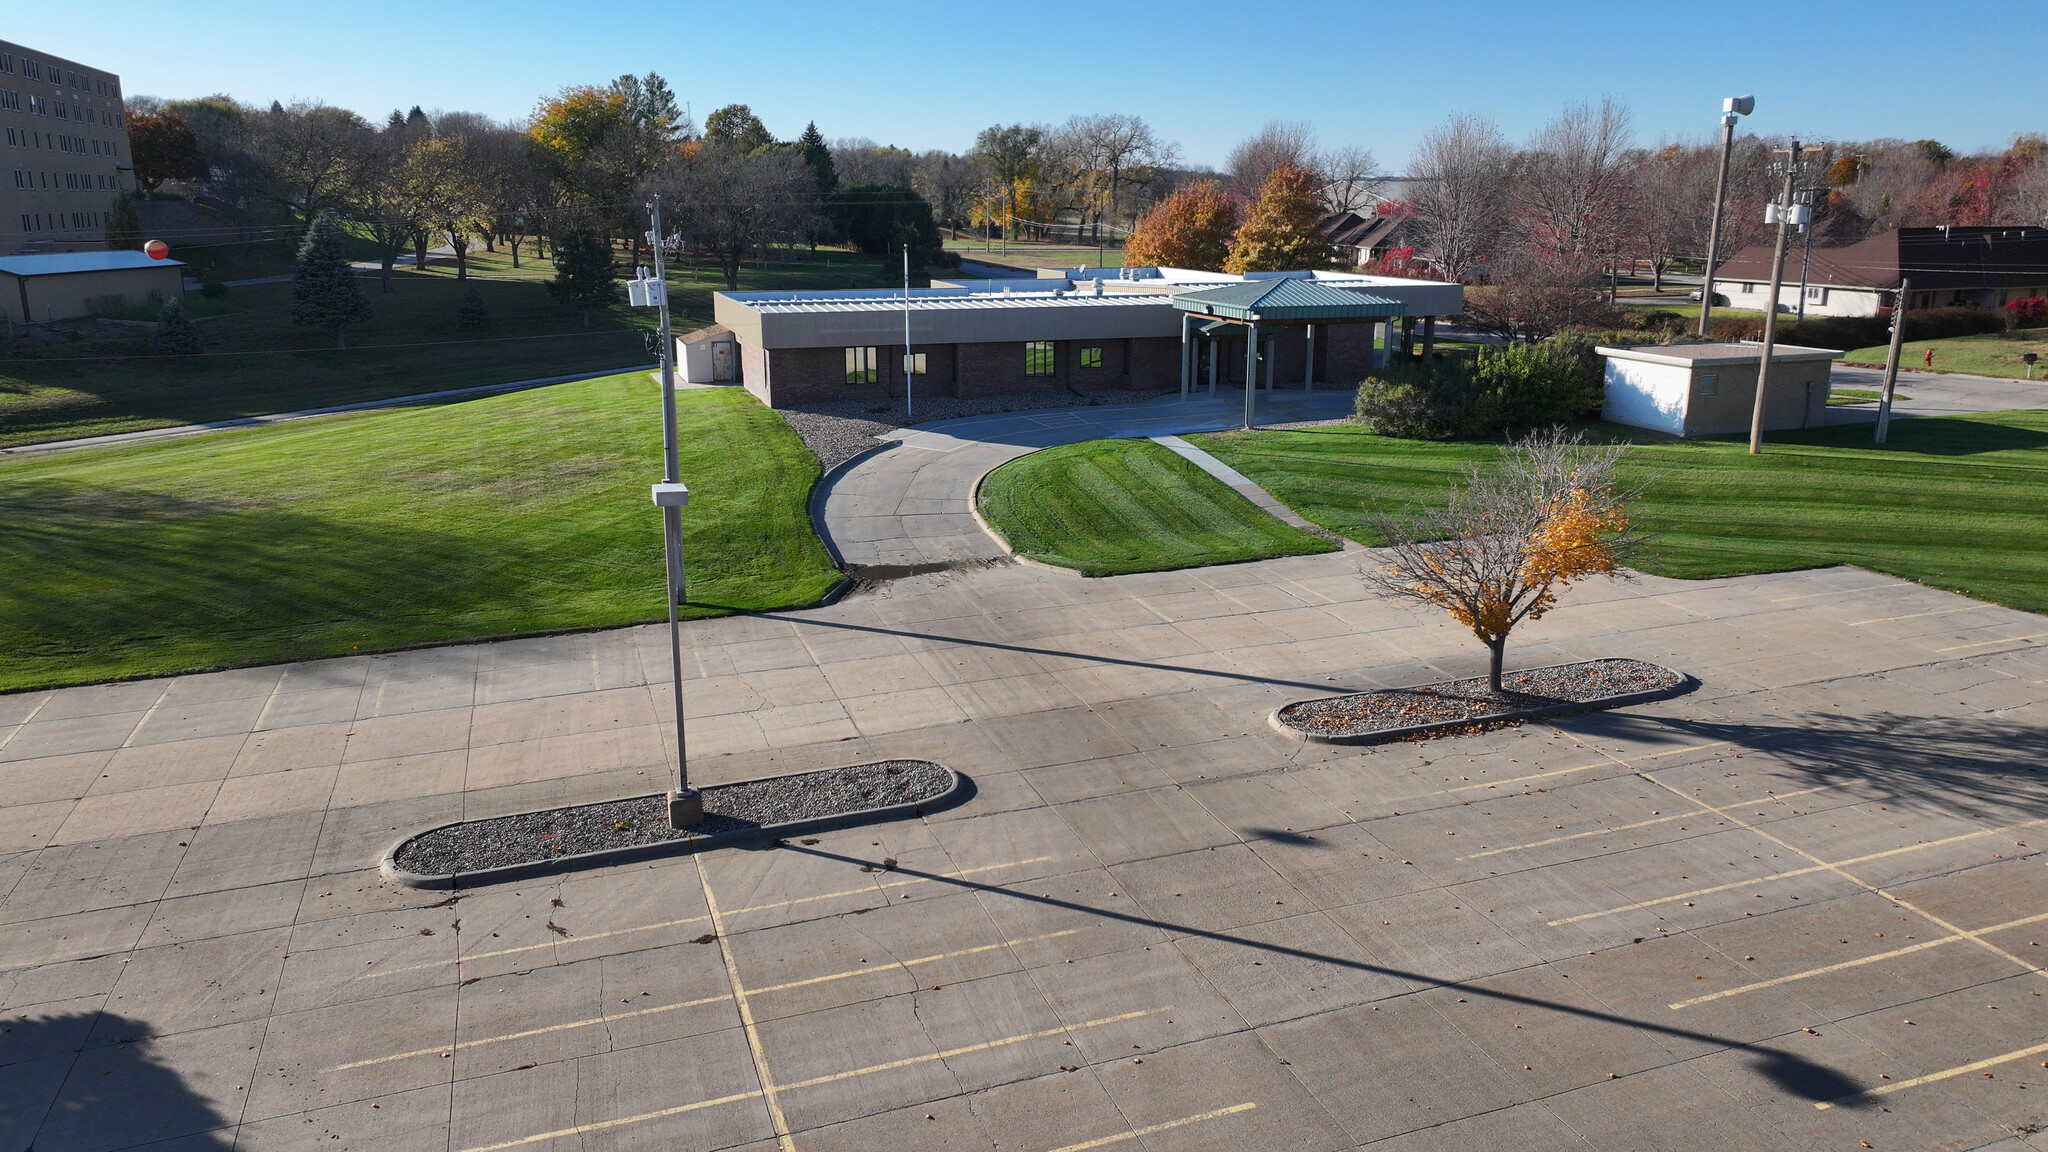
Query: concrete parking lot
<point x="1798" y="908"/>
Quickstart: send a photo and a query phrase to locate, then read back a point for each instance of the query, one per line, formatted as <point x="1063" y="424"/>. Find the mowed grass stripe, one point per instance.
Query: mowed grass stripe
<point x="1108" y="507"/>
<point x="1953" y="502"/>
<point x="501" y="516"/>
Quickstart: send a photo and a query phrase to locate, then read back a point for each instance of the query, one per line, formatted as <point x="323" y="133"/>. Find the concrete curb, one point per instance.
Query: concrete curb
<point x="958" y="792"/>
<point x="1686" y="684"/>
<point x="974" y="510"/>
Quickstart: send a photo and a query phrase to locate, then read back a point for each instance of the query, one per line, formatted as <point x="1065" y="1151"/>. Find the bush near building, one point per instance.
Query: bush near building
<point x="1514" y="388"/>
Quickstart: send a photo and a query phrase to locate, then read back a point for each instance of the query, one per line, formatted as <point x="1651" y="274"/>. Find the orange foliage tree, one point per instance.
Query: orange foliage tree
<point x="1507" y="542"/>
<point x="1189" y="229"/>
<point x="1280" y="234"/>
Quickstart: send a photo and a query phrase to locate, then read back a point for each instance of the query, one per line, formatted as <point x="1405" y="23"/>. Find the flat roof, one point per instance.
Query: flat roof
<point x="940" y="299"/>
<point x="1716" y="352"/>
<point x="59" y="263"/>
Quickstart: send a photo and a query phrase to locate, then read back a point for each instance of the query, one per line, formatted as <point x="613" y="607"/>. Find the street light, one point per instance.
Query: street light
<point x="1732" y="107"/>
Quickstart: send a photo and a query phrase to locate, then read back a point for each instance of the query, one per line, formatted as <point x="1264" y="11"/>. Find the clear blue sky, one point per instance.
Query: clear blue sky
<point x="930" y="75"/>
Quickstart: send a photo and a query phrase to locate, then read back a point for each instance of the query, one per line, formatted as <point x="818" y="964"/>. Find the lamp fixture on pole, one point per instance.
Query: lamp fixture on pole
<point x="1731" y="108"/>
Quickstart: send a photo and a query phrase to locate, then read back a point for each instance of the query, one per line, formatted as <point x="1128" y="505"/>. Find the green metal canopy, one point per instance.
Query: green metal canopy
<point x="1261" y="301"/>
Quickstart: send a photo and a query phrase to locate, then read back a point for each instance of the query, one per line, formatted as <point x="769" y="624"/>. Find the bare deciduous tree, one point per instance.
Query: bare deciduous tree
<point x="1506" y="542"/>
<point x="732" y="205"/>
<point x="1253" y="160"/>
<point x="1460" y="178"/>
<point x="1574" y="179"/>
<point x="1352" y="179"/>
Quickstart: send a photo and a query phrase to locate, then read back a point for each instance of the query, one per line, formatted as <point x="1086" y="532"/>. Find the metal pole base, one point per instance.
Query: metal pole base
<point x="685" y="808"/>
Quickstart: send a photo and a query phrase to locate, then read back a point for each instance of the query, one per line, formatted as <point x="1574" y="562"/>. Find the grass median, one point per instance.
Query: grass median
<point x="1985" y="354"/>
<point x="1952" y="502"/>
<point x="509" y="515"/>
<point x="1110" y="507"/>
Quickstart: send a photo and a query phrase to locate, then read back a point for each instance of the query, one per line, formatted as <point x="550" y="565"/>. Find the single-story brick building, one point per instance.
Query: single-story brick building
<point x="1079" y="328"/>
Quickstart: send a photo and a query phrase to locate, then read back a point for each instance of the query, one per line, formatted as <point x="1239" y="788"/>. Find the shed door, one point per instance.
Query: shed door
<point x="721" y="362"/>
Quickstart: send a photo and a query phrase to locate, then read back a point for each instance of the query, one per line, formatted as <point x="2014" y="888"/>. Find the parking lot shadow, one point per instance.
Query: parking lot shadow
<point x="57" y="1093"/>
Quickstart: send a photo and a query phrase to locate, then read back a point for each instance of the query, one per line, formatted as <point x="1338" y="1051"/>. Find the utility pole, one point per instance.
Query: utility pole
<point x="1891" y="361"/>
<point x="685" y="804"/>
<point x="1783" y="214"/>
<point x="908" y="363"/>
<point x="1731" y="108"/>
<point x="1806" y="261"/>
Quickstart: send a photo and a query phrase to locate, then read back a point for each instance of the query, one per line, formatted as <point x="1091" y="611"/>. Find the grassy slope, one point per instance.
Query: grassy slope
<point x="513" y="514"/>
<point x="1951" y="502"/>
<point x="1105" y="507"/>
<point x="1989" y="354"/>
<point x="257" y="361"/>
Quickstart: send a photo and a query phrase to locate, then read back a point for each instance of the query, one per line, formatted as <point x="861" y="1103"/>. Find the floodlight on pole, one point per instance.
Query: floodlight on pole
<point x="1731" y="108"/>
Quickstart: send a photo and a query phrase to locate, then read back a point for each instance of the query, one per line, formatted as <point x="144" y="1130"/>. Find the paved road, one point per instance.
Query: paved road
<point x="1936" y="394"/>
<point x="910" y="505"/>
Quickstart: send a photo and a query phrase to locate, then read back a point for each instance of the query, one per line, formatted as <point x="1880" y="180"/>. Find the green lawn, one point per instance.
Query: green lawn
<point x="1028" y="254"/>
<point x="1953" y="502"/>
<point x="513" y="514"/>
<point x="1988" y="354"/>
<point x="257" y="361"/>
<point x="1843" y="396"/>
<point x="1107" y="507"/>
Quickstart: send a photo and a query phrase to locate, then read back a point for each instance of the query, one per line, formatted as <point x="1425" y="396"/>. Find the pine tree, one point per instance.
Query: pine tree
<point x="176" y="332"/>
<point x="473" y="315"/>
<point x="325" y="291"/>
<point x="124" y="225"/>
<point x="584" y="275"/>
<point x="818" y="159"/>
<point x="1280" y="235"/>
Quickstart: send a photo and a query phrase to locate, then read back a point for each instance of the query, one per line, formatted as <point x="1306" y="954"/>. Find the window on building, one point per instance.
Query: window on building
<point x="20" y="178"/>
<point x="862" y="366"/>
<point x="1816" y="295"/>
<point x="1748" y="287"/>
<point x="10" y="100"/>
<point x="38" y="106"/>
<point x="1039" y="358"/>
<point x="31" y="69"/>
<point x="913" y="364"/>
<point x="25" y="223"/>
<point x="6" y="62"/>
<point x="1710" y="384"/>
<point x="1091" y="357"/>
<point x="63" y="110"/>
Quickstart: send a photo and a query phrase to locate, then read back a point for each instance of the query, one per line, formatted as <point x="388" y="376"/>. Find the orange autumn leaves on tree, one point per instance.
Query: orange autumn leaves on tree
<point x="1507" y="542"/>
<point x="1189" y="229"/>
<point x="1280" y="234"/>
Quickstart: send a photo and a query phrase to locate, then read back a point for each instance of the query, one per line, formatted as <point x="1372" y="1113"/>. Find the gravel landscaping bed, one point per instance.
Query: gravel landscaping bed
<point x="730" y="811"/>
<point x="841" y="430"/>
<point x="1390" y="713"/>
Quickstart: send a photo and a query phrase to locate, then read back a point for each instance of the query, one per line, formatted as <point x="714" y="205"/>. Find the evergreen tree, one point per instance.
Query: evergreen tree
<point x="881" y="219"/>
<point x="473" y="315"/>
<point x="325" y="291"/>
<point x="1280" y="234"/>
<point x="124" y="225"/>
<point x="818" y="159"/>
<point x="584" y="275"/>
<point x="176" y="332"/>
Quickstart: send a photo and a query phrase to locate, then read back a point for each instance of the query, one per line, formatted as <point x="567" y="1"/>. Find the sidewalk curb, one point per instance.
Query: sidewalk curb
<point x="1687" y="683"/>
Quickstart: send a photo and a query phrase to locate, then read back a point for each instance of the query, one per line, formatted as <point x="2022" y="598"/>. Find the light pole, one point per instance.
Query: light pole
<point x="1732" y="107"/>
<point x="685" y="804"/>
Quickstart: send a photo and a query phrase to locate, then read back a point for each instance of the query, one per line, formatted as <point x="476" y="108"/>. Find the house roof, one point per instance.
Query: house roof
<point x="60" y="263"/>
<point x="1262" y="300"/>
<point x="1352" y="230"/>
<point x="1935" y="258"/>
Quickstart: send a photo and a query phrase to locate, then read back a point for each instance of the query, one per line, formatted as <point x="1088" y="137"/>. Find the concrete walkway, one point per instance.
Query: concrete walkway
<point x="1236" y="481"/>
<point x="910" y="506"/>
<point x="281" y="417"/>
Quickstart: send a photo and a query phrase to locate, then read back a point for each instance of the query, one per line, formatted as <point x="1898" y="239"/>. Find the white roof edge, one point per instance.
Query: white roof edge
<point x="1653" y="354"/>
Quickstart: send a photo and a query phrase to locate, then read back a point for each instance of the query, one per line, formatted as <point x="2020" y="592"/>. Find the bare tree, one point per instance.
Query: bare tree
<point x="314" y="154"/>
<point x="860" y="161"/>
<point x="732" y="205"/>
<point x="1279" y="142"/>
<point x="1506" y="542"/>
<point x="1113" y="154"/>
<point x="1460" y="178"/>
<point x="947" y="182"/>
<point x="1574" y="179"/>
<point x="1352" y="179"/>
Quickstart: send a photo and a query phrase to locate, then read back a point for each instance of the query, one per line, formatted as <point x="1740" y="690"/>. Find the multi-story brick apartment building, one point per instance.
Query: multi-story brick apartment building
<point x="66" y="152"/>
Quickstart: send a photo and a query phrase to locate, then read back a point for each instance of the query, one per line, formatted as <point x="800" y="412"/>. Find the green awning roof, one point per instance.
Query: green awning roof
<point x="1287" y="299"/>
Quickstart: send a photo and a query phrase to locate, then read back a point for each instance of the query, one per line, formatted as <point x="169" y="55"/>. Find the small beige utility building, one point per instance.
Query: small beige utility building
<point x="1710" y="389"/>
<point x="67" y="285"/>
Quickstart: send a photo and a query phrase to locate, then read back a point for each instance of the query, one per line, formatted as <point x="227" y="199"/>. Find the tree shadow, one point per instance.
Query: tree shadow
<point x="1944" y="436"/>
<point x="57" y="1092"/>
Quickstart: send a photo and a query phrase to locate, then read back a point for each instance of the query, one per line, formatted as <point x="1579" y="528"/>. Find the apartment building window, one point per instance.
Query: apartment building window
<point x="862" y="366"/>
<point x="37" y="106"/>
<point x="20" y="178"/>
<point x="16" y="139"/>
<point x="63" y="110"/>
<point x="31" y="69"/>
<point x="1039" y="359"/>
<point x="1091" y="357"/>
<point x="7" y="62"/>
<point x="10" y="100"/>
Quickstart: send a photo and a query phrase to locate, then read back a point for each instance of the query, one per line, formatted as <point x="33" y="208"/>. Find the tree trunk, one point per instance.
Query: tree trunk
<point x="1497" y="648"/>
<point x="514" y="246"/>
<point x="419" y="251"/>
<point x="341" y="337"/>
<point x="390" y="258"/>
<point x="586" y="317"/>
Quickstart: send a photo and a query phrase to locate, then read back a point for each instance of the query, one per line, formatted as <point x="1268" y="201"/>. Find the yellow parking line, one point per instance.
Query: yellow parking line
<point x="1610" y="761"/>
<point x="1823" y="866"/>
<point x="1644" y="823"/>
<point x="2000" y="640"/>
<point x="1918" y="615"/>
<point x="907" y="963"/>
<point x="1931" y="1077"/>
<point x="1846" y="964"/>
<point x="905" y="882"/>
<point x="1149" y="1129"/>
<point x="603" y="1125"/>
<point x="739" y="997"/>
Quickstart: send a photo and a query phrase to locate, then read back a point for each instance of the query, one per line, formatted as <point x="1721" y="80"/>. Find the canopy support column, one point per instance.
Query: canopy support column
<point x="1308" y="372"/>
<point x="1186" y="319"/>
<point x="1251" y="372"/>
